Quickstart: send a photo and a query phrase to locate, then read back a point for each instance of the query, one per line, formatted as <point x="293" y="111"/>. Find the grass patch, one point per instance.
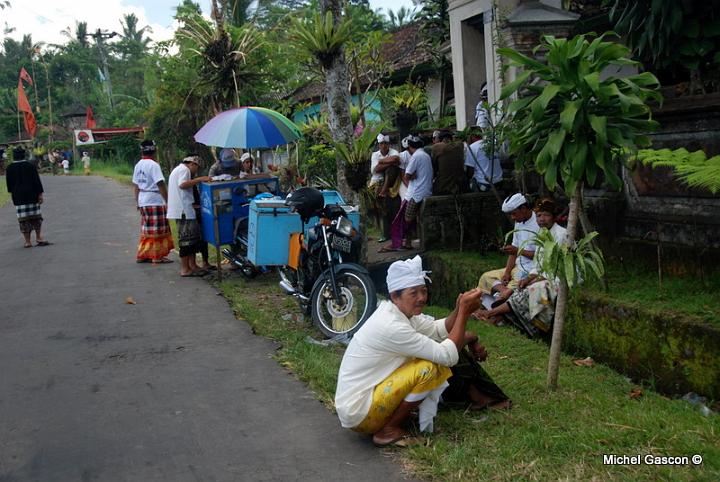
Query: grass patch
<point x="680" y="294"/>
<point x="560" y="435"/>
<point x="4" y="194"/>
<point x="117" y="170"/>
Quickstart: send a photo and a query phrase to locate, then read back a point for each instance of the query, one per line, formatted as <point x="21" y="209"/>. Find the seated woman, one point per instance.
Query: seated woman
<point x="532" y="306"/>
<point x="399" y="360"/>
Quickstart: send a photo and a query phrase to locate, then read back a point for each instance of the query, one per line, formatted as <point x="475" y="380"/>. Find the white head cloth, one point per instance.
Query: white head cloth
<point x="245" y="156"/>
<point x="404" y="142"/>
<point x="383" y="138"/>
<point x="513" y="202"/>
<point x="406" y="274"/>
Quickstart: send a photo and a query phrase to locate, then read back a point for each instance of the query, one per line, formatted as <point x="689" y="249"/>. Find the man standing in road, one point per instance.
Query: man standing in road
<point x="180" y="208"/>
<point x="23" y="183"/>
<point x="151" y="198"/>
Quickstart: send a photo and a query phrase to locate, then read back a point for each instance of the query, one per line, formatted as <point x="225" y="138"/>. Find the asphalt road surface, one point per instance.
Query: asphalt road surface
<point x="171" y="388"/>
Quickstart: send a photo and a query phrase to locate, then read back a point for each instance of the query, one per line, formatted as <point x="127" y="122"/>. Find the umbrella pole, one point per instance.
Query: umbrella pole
<point x="218" y="256"/>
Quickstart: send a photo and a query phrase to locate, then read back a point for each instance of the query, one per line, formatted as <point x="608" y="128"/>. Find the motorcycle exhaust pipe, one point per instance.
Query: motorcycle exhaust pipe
<point x="292" y="291"/>
<point x="287" y="288"/>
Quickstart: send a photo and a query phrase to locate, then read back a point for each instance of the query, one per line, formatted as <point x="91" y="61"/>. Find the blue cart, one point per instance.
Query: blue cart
<point x="227" y="202"/>
<point x="262" y="238"/>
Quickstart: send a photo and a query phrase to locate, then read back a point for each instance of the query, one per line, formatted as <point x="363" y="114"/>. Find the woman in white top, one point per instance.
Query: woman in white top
<point x="399" y="359"/>
<point x="180" y="208"/>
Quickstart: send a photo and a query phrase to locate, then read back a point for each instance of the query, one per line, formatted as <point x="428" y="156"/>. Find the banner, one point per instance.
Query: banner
<point x="24" y="105"/>
<point x="84" y="136"/>
<point x="90" y="118"/>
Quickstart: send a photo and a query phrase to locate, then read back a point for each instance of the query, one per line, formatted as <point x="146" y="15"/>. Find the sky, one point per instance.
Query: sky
<point x="45" y="19"/>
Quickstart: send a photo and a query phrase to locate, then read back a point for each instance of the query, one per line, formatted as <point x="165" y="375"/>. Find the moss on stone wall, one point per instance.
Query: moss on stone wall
<point x="675" y="353"/>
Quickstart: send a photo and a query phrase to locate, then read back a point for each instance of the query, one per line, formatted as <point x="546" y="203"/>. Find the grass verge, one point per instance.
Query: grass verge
<point x="4" y="194"/>
<point x="561" y="435"/>
<point x="117" y="170"/>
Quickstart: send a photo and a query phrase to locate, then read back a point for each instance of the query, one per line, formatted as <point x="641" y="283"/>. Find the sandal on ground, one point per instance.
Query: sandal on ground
<point x="383" y="240"/>
<point x="144" y="260"/>
<point x="28" y="246"/>
<point x="209" y="268"/>
<point x="161" y="261"/>
<point x="403" y="441"/>
<point x="43" y="243"/>
<point x="387" y="249"/>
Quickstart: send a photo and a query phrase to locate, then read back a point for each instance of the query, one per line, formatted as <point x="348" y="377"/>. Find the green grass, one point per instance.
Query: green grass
<point x="546" y="436"/>
<point x="117" y="170"/>
<point x="4" y="194"/>
<point x="680" y="294"/>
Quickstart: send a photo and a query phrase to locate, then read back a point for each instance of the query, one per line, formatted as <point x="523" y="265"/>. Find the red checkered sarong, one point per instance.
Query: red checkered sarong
<point x="155" y="235"/>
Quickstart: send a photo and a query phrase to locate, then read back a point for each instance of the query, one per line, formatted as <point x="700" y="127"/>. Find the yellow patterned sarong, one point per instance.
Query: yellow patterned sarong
<point x="412" y="381"/>
<point x="490" y="278"/>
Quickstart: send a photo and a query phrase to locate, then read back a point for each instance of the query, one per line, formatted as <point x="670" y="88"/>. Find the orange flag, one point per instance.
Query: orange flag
<point x="24" y="105"/>
<point x="25" y="76"/>
<point x="90" y="118"/>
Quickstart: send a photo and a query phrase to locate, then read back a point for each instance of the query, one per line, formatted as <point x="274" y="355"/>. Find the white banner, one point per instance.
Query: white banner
<point x="84" y="136"/>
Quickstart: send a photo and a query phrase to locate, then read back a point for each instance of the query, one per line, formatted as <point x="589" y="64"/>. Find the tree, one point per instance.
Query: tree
<point x="226" y="68"/>
<point x="571" y="124"/>
<point x="80" y="35"/>
<point x="324" y="37"/>
<point x="403" y="16"/>
<point x="678" y="39"/>
<point x="435" y="32"/>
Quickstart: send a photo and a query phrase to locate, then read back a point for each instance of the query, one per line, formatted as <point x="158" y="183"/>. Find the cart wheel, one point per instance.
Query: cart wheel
<point x="248" y="270"/>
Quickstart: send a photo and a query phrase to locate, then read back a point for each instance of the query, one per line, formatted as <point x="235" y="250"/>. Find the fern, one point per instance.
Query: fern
<point x="693" y="169"/>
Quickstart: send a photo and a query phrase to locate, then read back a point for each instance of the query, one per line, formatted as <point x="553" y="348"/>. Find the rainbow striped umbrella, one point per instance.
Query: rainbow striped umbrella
<point x="248" y="128"/>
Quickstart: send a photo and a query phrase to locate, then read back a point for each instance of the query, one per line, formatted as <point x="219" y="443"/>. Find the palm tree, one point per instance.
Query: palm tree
<point x="403" y="16"/>
<point x="324" y="37"/>
<point x="224" y="70"/>
<point x="130" y="31"/>
<point x="80" y="34"/>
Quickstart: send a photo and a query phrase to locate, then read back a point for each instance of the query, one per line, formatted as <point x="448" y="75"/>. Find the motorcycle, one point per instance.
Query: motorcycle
<point x="323" y="273"/>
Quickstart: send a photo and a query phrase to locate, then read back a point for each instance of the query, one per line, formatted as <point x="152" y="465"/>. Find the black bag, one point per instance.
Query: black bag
<point x="468" y="372"/>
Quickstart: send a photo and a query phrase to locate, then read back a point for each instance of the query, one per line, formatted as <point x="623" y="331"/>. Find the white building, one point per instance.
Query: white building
<point x="473" y="38"/>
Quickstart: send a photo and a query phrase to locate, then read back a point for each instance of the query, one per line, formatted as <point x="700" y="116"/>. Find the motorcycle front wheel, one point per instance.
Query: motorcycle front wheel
<point x="358" y="300"/>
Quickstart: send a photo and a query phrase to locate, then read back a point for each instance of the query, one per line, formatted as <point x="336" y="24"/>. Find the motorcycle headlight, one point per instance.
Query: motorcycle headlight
<point x="344" y="226"/>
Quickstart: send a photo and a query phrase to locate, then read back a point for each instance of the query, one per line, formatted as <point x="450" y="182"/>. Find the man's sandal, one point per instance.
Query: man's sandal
<point x="404" y="441"/>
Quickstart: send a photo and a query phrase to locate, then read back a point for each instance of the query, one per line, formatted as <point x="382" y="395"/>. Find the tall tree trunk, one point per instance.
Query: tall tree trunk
<point x="562" y="297"/>
<point x="338" y="100"/>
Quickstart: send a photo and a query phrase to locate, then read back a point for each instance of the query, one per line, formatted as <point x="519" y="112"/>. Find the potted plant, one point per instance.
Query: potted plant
<point x="406" y="101"/>
<point x="356" y="158"/>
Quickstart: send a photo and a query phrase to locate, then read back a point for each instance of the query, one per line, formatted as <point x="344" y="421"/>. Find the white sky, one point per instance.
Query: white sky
<point x="45" y="19"/>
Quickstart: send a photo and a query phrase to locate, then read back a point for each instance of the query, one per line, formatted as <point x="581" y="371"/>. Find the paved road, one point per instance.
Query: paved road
<point x="173" y="388"/>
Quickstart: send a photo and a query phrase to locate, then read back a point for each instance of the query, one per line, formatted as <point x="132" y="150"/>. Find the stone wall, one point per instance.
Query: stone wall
<point x="674" y="353"/>
<point x="472" y="220"/>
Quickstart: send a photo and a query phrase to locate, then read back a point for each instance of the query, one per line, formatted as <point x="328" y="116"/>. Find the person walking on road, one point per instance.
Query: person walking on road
<point x="180" y="208"/>
<point x="23" y="183"/>
<point x="86" y="163"/>
<point x="151" y="198"/>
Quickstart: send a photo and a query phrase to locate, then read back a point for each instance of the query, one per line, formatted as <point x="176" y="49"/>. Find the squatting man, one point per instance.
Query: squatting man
<point x="399" y="361"/>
